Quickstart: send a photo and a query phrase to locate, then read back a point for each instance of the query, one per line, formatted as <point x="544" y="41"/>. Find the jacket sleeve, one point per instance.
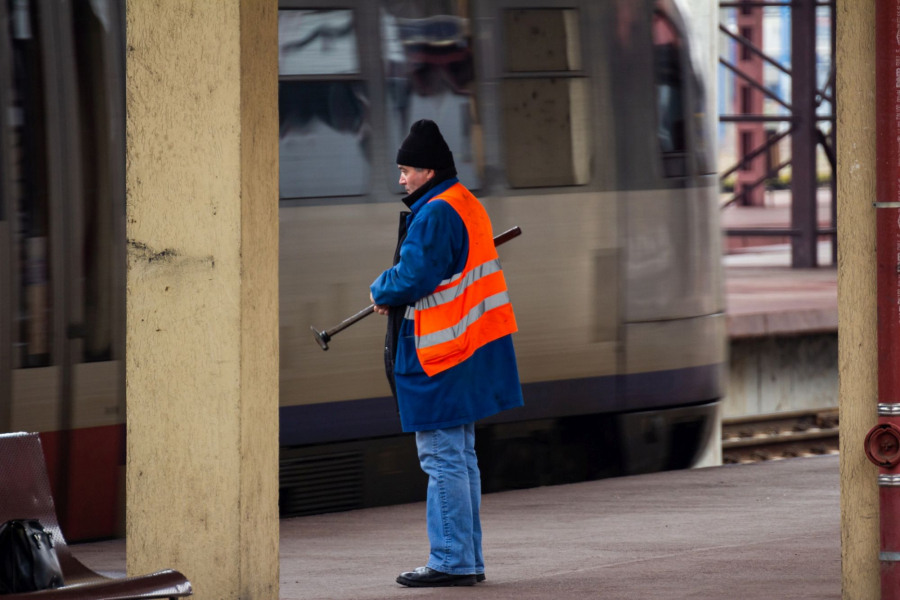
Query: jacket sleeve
<point x="432" y="247"/>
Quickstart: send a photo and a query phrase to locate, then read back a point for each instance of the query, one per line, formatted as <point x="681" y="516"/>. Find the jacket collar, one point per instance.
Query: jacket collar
<point x="440" y="183"/>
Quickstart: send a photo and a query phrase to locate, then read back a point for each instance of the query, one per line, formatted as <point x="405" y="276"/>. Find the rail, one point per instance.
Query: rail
<point x="776" y="436"/>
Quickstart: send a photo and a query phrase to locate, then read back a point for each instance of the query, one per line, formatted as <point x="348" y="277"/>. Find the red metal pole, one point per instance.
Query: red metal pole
<point x="883" y="441"/>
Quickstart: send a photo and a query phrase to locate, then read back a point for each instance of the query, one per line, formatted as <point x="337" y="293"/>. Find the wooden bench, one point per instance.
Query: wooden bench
<point x="25" y="494"/>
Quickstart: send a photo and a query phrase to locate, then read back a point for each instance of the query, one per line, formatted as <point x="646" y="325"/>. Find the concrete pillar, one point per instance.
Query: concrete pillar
<point x="202" y="293"/>
<point x="857" y="350"/>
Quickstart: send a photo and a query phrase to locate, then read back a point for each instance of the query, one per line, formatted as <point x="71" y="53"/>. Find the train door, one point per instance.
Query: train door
<point x="672" y="229"/>
<point x="63" y="143"/>
<point x="675" y="344"/>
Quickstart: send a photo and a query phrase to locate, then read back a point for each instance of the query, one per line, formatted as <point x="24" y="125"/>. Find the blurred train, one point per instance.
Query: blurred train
<point x="583" y="122"/>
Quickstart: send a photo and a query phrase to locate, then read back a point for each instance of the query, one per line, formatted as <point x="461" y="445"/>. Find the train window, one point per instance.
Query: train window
<point x="667" y="45"/>
<point x="323" y="106"/>
<point x="430" y="74"/>
<point x="545" y="99"/>
<point x="316" y="42"/>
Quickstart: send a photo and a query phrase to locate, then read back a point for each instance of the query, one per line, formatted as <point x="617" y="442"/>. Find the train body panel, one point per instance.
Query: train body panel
<point x="675" y="344"/>
<point x="329" y="255"/>
<point x="671" y="271"/>
<point x="95" y="397"/>
<point x="561" y="276"/>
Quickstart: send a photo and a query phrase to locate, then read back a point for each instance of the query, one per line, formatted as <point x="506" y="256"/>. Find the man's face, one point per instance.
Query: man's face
<point x="412" y="179"/>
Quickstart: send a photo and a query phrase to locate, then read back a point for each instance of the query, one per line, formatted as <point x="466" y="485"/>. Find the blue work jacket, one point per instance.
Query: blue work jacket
<point x="436" y="247"/>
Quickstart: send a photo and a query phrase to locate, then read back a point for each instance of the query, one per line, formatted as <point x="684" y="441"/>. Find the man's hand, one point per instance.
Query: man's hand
<point x="381" y="309"/>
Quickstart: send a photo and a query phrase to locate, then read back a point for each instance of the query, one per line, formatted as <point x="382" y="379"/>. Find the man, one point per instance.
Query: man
<point x="448" y="354"/>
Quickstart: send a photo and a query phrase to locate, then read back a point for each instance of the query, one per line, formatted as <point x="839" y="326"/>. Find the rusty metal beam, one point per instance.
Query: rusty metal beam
<point x="832" y="81"/>
<point x="754" y="49"/>
<point x="754" y="118"/>
<point x="754" y="83"/>
<point x="761" y="232"/>
<point x="829" y="84"/>
<point x="747" y="158"/>
<point x="763" y="4"/>
<point x="772" y="232"/>
<point x="753" y="4"/>
<point x="803" y="141"/>
<point x="829" y="151"/>
<point x="883" y="440"/>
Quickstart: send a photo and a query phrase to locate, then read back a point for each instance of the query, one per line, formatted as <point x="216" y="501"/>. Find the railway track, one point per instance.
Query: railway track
<point x="780" y="435"/>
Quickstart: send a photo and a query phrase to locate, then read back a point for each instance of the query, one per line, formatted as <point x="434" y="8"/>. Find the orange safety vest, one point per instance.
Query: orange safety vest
<point x="471" y="308"/>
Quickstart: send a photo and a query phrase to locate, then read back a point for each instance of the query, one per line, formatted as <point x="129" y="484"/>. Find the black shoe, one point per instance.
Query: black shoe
<point x="425" y="577"/>
<point x="479" y="577"/>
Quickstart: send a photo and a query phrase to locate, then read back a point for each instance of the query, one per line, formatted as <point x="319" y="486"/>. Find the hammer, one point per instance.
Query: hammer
<point x="323" y="337"/>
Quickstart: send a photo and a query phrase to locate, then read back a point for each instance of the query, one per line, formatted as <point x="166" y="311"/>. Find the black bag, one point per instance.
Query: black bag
<point x="28" y="561"/>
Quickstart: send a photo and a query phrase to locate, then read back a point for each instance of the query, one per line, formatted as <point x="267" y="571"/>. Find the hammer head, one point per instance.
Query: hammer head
<point x="322" y="338"/>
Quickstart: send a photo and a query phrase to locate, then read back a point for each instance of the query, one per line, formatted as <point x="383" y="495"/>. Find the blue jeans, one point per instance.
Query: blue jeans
<point x="454" y="499"/>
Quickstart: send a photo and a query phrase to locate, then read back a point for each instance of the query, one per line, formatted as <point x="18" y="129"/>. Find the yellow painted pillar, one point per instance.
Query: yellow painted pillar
<point x="857" y="338"/>
<point x="202" y="293"/>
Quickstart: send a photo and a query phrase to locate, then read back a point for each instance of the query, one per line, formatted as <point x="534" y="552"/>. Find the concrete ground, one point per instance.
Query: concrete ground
<point x="767" y="530"/>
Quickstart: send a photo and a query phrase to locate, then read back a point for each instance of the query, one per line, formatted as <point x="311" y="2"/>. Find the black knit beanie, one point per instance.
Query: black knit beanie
<point x="425" y="148"/>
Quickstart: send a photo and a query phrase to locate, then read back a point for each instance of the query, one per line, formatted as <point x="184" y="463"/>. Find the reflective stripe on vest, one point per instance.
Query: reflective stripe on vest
<point x="453" y="293"/>
<point x="470" y="309"/>
<point x="451" y="333"/>
<point x="451" y="280"/>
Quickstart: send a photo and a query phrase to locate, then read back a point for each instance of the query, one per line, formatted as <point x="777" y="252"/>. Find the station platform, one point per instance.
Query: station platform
<point x="765" y="530"/>
<point x="765" y="296"/>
